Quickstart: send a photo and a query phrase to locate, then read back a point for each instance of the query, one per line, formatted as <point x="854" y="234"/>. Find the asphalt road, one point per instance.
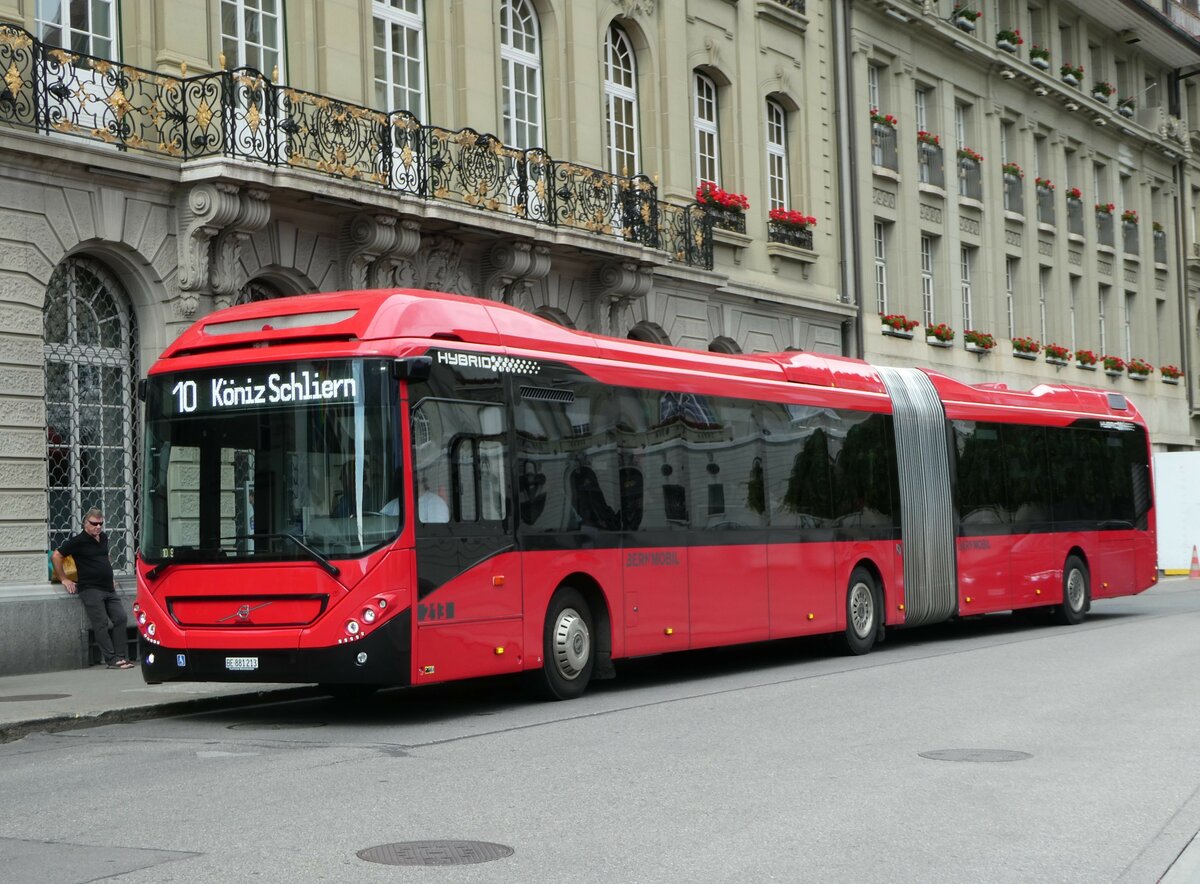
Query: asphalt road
<point x="988" y="750"/>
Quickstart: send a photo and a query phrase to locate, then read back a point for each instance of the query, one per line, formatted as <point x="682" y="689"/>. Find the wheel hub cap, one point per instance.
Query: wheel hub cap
<point x="862" y="610"/>
<point x="572" y="644"/>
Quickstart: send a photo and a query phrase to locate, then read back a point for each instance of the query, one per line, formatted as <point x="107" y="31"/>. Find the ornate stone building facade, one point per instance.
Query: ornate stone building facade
<point x="164" y="158"/>
<point x="161" y="163"/>
<point x="1028" y="180"/>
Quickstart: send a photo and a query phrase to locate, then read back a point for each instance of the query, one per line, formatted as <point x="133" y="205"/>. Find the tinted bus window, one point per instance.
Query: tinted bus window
<point x="979" y="476"/>
<point x="862" y="463"/>
<point x="1027" y="475"/>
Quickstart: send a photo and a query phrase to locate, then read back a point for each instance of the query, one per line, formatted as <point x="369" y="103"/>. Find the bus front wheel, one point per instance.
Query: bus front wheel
<point x="568" y="649"/>
<point x="1076" y="593"/>
<point x="863" y="611"/>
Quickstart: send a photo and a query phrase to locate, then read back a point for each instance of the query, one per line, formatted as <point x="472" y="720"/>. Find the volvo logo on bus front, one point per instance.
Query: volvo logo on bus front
<point x="242" y="614"/>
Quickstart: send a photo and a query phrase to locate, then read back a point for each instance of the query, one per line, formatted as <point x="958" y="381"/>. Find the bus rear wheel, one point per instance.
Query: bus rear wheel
<point x="863" y="610"/>
<point x="568" y="649"/>
<point x="1077" y="593"/>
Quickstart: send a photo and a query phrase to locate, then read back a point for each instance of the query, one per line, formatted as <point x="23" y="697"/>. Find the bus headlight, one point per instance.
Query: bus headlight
<point x="352" y="627"/>
<point x="368" y="616"/>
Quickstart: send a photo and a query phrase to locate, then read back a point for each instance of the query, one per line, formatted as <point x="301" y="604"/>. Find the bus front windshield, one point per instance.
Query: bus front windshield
<point x="279" y="461"/>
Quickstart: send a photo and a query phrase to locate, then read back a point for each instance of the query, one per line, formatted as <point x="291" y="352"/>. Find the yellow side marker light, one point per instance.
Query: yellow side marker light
<point x="812" y="616"/>
<point x="498" y="580"/>
<point x="668" y="631"/>
<point x="499" y="651"/>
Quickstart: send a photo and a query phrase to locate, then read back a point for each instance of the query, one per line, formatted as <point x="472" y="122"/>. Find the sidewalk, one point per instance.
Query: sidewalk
<point x="54" y="701"/>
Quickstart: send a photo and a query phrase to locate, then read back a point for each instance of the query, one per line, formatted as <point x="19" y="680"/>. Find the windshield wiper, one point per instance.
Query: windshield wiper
<point x="153" y="573"/>
<point x="317" y="557"/>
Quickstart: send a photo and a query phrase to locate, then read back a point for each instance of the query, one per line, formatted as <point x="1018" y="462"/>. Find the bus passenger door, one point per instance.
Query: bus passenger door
<point x="468" y="606"/>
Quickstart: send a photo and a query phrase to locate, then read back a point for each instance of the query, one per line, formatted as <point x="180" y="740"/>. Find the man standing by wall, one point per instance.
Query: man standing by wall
<point x="96" y="587"/>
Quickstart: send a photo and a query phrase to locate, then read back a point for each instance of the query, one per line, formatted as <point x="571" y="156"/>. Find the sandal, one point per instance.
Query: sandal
<point x="121" y="663"/>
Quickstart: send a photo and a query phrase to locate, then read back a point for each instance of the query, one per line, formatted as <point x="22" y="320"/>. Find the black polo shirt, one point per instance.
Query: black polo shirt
<point x="91" y="560"/>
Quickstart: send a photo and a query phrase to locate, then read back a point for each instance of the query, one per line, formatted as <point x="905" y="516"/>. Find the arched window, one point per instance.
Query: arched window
<point x="399" y="28"/>
<point x="704" y="125"/>
<point x="521" y="77"/>
<point x="620" y="103"/>
<point x="90" y="343"/>
<point x="777" y="156"/>
<point x="649" y="332"/>
<point x="257" y="290"/>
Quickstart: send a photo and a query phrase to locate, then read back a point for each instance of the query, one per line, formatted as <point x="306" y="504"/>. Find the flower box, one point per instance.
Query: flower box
<point x="1042" y="64"/>
<point x="977" y="348"/>
<point x="1021" y="354"/>
<point x="883" y="121"/>
<point x="1138" y="376"/>
<point x="1056" y="360"/>
<point x="940" y="335"/>
<point x="1113" y="372"/>
<point x="1170" y="381"/>
<point x="1086" y="366"/>
<point x="897" y="325"/>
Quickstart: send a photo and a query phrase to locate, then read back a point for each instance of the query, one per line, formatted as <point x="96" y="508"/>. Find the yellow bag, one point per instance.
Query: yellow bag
<point x="68" y="568"/>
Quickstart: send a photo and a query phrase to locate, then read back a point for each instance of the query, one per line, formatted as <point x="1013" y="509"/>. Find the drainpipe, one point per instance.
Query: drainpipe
<point x="1181" y="251"/>
<point x="847" y="172"/>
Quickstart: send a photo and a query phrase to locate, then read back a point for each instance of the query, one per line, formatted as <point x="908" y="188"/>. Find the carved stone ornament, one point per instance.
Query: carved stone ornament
<point x="214" y="220"/>
<point x="510" y="269"/>
<point x="373" y="248"/>
<point x="615" y="284"/>
<point x="441" y="266"/>
<point x="227" y="276"/>
<point x="637" y="7"/>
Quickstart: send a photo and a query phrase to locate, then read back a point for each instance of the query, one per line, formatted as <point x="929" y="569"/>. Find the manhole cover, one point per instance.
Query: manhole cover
<point x="435" y="853"/>
<point x="22" y="698"/>
<point x="983" y="755"/>
<point x="275" y="725"/>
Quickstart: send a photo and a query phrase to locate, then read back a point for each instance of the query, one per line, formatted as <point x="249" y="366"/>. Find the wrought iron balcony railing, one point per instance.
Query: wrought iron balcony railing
<point x="1075" y="216"/>
<point x="1160" y="247"/>
<point x="789" y="234"/>
<point x="930" y="168"/>
<point x="1104" y="228"/>
<point x="1014" y="194"/>
<point x="883" y="147"/>
<point x="242" y="114"/>
<point x="970" y="179"/>
<point x="1045" y="205"/>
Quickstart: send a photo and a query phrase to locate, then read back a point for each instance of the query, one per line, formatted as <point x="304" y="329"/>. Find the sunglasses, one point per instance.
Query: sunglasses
<point x="95" y="524"/>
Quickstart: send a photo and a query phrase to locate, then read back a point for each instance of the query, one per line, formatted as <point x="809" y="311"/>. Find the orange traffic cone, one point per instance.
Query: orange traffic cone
<point x="1195" y="573"/>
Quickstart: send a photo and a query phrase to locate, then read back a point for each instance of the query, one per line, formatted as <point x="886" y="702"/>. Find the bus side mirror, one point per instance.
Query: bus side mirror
<point x="141" y="389"/>
<point x="412" y="368"/>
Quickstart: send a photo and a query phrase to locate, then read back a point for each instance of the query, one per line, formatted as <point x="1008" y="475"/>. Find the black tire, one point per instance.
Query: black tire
<point x="568" y="647"/>
<point x="863" y="610"/>
<point x="1077" y="593"/>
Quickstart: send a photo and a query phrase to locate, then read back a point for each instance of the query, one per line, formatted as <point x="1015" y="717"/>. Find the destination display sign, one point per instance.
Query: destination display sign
<point x="258" y="386"/>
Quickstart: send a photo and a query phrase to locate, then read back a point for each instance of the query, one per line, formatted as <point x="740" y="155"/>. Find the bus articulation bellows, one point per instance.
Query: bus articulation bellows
<point x="405" y="487"/>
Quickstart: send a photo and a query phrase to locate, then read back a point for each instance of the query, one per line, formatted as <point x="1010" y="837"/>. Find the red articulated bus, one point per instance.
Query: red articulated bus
<point x="406" y="487"/>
